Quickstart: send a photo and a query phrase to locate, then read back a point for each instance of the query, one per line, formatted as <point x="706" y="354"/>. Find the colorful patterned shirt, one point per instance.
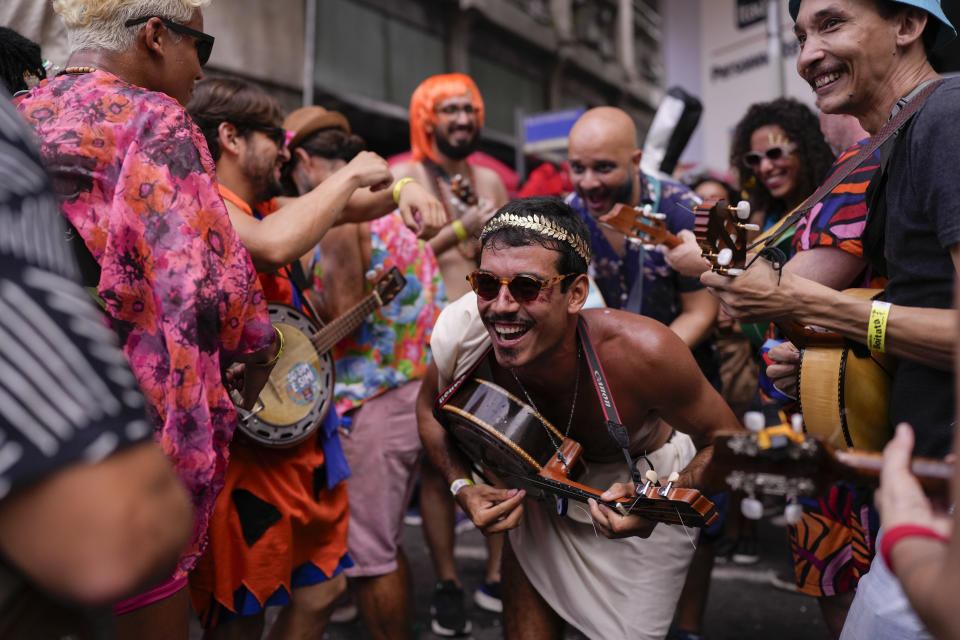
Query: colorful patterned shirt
<point x="615" y="275"/>
<point x="840" y="218"/>
<point x="392" y="346"/>
<point x="137" y="183"/>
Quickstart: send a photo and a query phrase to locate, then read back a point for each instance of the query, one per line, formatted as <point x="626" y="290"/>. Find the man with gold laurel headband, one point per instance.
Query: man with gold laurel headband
<point x="557" y="569"/>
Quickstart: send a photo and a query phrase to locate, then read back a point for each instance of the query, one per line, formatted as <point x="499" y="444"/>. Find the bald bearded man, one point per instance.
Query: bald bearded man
<point x="605" y="170"/>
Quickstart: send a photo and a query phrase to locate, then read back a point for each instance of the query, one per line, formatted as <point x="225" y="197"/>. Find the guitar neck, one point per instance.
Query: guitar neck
<point x="659" y="509"/>
<point x="343" y="325"/>
<point x="803" y="337"/>
<point x="864" y="467"/>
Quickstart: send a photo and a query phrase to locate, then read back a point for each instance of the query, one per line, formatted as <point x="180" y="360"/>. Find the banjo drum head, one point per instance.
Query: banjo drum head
<point x="299" y="392"/>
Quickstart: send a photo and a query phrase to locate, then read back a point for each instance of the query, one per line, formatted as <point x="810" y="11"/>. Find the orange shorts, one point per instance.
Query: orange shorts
<point x="274" y="517"/>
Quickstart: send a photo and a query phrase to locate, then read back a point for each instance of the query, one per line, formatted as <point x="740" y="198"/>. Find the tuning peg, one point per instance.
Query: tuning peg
<point x="663" y="491"/>
<point x="751" y="508"/>
<point x="725" y="257"/>
<point x="734" y="272"/>
<point x="796" y="421"/>
<point x="792" y="513"/>
<point x="742" y="209"/>
<point x="749" y="226"/>
<point x="652" y="480"/>
<point x="649" y="247"/>
<point x="754" y="421"/>
<point x="646" y="209"/>
<point x="371" y="275"/>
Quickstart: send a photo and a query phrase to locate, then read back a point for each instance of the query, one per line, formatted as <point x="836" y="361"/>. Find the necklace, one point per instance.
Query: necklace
<point x="573" y="407"/>
<point x="74" y="70"/>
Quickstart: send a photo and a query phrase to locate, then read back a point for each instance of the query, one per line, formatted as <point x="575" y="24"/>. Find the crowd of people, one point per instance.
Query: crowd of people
<point x="162" y="234"/>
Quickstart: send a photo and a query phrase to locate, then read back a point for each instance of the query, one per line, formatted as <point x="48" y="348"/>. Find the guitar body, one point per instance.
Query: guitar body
<point x="845" y="393"/>
<point x="498" y="431"/>
<point x="299" y="392"/>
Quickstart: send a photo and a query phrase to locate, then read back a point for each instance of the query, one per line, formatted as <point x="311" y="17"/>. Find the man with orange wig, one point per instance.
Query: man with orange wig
<point x="446" y="116"/>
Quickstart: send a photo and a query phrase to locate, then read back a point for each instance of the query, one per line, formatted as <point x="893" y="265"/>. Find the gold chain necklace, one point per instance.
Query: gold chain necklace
<point x="573" y="407"/>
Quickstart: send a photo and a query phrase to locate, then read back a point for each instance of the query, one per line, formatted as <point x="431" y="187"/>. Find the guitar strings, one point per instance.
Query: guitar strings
<point x="589" y="515"/>
<point x="686" y="530"/>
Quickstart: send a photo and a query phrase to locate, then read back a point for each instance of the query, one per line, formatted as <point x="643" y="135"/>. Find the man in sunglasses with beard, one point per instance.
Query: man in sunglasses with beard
<point x="446" y="116"/>
<point x="605" y="170"/>
<point x="523" y="332"/>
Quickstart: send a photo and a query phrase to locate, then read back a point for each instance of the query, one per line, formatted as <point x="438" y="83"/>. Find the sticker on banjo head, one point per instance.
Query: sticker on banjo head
<point x="303" y="383"/>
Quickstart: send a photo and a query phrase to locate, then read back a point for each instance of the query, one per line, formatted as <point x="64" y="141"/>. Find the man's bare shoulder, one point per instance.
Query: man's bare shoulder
<point x="631" y="339"/>
<point x="489" y="184"/>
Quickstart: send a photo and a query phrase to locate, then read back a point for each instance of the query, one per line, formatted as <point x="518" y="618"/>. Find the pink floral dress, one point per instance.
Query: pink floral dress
<point x="137" y="182"/>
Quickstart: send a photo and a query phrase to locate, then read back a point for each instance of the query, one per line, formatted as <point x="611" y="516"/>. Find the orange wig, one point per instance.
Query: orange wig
<point x="423" y="108"/>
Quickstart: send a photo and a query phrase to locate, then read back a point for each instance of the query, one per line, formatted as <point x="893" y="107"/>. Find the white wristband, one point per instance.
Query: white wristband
<point x="458" y="484"/>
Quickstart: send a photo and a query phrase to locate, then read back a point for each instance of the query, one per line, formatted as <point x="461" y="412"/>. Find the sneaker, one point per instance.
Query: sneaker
<point x="784" y="582"/>
<point x="746" y="552"/>
<point x="723" y="549"/>
<point x="487" y="597"/>
<point x="344" y="610"/>
<point x="462" y="522"/>
<point x="412" y="517"/>
<point x="448" y="616"/>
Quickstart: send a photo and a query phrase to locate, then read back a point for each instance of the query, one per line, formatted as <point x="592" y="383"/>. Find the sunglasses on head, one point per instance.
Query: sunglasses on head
<point x="522" y="288"/>
<point x="203" y="41"/>
<point x="753" y="158"/>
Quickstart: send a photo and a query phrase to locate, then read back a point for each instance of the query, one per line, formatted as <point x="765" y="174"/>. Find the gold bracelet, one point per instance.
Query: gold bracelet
<point x="397" y="187"/>
<point x="459" y="230"/>
<point x="272" y="361"/>
<point x="877" y="327"/>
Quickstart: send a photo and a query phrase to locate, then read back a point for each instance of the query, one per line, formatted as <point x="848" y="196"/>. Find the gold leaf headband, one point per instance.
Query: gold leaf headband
<point x="541" y="225"/>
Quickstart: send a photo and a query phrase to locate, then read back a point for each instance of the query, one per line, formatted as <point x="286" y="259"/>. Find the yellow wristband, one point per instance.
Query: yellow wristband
<point x="877" y="328"/>
<point x="397" y="187"/>
<point x="272" y="361"/>
<point x="459" y="230"/>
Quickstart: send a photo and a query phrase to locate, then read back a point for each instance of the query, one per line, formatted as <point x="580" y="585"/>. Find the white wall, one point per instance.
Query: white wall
<point x="729" y="84"/>
<point x="682" y="60"/>
<point x="262" y="40"/>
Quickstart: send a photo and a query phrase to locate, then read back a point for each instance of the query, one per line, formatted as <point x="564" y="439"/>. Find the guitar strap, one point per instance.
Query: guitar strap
<point x="893" y="125"/>
<point x="614" y="426"/>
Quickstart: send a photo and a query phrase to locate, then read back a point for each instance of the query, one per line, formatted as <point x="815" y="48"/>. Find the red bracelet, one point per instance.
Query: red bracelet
<point x="895" y="534"/>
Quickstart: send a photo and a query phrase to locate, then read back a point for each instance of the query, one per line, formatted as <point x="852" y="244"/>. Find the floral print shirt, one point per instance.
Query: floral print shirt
<point x="392" y="346"/>
<point x="615" y="275"/>
<point x="137" y="182"/>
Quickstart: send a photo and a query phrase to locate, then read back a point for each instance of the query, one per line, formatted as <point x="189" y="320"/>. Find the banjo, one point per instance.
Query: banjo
<point x="298" y="394"/>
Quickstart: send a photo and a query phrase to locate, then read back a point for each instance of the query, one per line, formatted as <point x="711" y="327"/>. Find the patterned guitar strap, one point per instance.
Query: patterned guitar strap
<point x="614" y="427"/>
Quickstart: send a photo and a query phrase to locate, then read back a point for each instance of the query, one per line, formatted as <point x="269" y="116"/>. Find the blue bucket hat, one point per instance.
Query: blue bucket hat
<point x="945" y="31"/>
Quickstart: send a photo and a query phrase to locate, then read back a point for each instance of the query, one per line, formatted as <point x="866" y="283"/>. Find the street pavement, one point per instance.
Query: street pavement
<point x="744" y="602"/>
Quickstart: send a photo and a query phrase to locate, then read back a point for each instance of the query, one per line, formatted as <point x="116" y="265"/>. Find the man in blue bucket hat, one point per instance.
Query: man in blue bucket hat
<point x="869" y="58"/>
<point x="941" y="31"/>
